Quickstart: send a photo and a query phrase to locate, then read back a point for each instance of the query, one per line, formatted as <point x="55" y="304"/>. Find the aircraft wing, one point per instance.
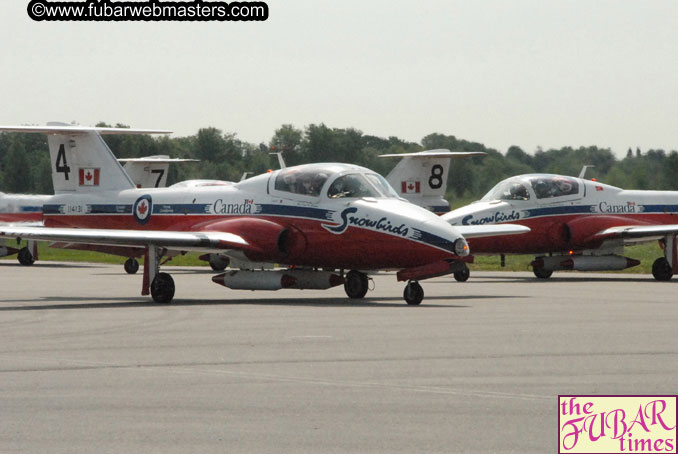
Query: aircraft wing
<point x="478" y="231"/>
<point x="202" y="241"/>
<point x="21" y="224"/>
<point x="639" y="232"/>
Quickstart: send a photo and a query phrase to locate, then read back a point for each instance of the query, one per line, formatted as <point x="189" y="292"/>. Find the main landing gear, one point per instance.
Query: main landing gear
<point x="356" y="284"/>
<point x="541" y="273"/>
<point x="25" y="257"/>
<point x="162" y="288"/>
<point x="159" y="285"/>
<point x="661" y="270"/>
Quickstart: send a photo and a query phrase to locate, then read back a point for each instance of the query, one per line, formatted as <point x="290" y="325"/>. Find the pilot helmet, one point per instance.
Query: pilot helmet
<point x="517" y="189"/>
<point x="564" y="185"/>
<point x="541" y="187"/>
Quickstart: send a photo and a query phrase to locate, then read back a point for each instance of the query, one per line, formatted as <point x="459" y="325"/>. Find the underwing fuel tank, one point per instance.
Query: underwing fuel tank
<point x="585" y="263"/>
<point x="5" y="251"/>
<point x="278" y="279"/>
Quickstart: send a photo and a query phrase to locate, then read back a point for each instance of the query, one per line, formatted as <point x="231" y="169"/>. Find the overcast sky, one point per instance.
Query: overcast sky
<point x="527" y="73"/>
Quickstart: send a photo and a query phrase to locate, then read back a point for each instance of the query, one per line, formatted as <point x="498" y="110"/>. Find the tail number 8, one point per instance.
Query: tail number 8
<point x="435" y="181"/>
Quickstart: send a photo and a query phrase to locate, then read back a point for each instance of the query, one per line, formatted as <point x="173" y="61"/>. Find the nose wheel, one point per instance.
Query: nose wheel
<point x="463" y="274"/>
<point x="413" y="293"/>
<point x="356" y="284"/>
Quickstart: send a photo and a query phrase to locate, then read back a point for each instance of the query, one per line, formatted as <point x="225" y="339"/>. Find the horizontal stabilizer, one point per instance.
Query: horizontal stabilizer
<point x="157" y="159"/>
<point x="74" y="129"/>
<point x="442" y="153"/>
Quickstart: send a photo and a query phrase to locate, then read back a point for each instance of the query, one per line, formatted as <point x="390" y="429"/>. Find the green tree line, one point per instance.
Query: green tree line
<point x="25" y="163"/>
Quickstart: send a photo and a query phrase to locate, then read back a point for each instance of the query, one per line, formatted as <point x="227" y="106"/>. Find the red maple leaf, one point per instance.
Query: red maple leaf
<point x="410" y="187"/>
<point x="142" y="208"/>
<point x="88" y="176"/>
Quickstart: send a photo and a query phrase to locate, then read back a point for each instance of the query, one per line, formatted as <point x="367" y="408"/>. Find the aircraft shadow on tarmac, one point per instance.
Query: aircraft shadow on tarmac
<point x="59" y="265"/>
<point x="569" y="278"/>
<point x="59" y="303"/>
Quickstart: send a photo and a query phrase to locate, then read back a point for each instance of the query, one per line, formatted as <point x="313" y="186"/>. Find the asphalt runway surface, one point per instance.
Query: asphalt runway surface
<point x="88" y="365"/>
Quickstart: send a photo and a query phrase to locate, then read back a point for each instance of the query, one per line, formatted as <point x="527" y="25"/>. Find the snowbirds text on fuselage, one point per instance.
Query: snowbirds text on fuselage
<point x="576" y="224"/>
<point x="330" y="216"/>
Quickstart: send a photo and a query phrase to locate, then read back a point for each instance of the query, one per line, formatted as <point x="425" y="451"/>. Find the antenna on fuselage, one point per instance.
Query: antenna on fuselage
<point x="583" y="171"/>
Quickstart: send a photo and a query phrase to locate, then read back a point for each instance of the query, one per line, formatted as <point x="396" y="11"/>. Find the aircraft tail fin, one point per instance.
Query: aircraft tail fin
<point x="81" y="161"/>
<point x="150" y="171"/>
<point x="421" y="177"/>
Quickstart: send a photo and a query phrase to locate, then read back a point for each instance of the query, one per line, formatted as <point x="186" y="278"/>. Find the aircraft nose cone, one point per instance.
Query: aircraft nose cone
<point x="428" y="228"/>
<point x="446" y="236"/>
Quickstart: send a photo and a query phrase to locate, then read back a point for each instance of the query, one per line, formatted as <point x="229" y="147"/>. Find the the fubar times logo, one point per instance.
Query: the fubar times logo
<point x="617" y="424"/>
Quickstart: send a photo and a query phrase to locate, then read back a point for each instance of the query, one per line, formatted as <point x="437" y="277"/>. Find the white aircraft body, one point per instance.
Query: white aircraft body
<point x="329" y="216"/>
<point x="576" y="224"/>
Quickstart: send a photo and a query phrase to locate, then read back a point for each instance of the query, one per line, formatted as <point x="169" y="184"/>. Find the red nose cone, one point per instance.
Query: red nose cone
<point x="219" y="279"/>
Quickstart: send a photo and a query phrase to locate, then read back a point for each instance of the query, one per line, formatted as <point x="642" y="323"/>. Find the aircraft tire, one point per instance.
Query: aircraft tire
<point x="25" y="257"/>
<point x="162" y="288"/>
<point x="462" y="275"/>
<point x="541" y="273"/>
<point x="131" y="265"/>
<point x="413" y="293"/>
<point x="661" y="270"/>
<point x="356" y="284"/>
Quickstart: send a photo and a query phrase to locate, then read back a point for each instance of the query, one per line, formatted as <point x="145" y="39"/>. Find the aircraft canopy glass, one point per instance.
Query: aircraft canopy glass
<point x="309" y="181"/>
<point x="553" y="186"/>
<point x="299" y="180"/>
<point x="508" y="190"/>
<point x="541" y="186"/>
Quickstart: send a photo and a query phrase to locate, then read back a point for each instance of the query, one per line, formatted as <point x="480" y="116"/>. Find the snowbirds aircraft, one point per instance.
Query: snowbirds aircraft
<point x="576" y="224"/>
<point x="329" y="216"/>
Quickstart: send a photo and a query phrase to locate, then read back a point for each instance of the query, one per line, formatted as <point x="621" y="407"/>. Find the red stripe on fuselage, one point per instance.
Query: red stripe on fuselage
<point x="355" y="248"/>
<point x="549" y="233"/>
<point x="20" y="217"/>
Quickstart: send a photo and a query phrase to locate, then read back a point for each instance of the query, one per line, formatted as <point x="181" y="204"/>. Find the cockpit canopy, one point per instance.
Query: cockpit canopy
<point x="333" y="181"/>
<point x="537" y="186"/>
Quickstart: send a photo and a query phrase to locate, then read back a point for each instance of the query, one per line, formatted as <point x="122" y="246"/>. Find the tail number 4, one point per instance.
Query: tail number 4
<point x="61" y="164"/>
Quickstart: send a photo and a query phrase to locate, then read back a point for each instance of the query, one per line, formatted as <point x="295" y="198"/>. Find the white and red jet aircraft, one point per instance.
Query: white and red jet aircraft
<point x="576" y="224"/>
<point x="312" y="216"/>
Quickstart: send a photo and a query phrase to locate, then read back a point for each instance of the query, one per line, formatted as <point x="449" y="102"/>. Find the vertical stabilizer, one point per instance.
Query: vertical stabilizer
<point x="81" y="161"/>
<point x="421" y="177"/>
<point x="150" y="171"/>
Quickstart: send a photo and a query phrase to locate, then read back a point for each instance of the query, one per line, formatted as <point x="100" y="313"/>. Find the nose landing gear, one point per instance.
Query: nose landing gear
<point x="413" y="293"/>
